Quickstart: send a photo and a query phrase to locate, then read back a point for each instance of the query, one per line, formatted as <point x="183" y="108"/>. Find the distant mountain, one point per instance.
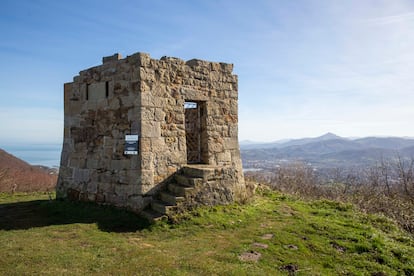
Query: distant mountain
<point x="286" y="142"/>
<point x="386" y="142"/>
<point x="322" y="146"/>
<point x="246" y="144"/>
<point x="330" y="150"/>
<point x="18" y="176"/>
<point x="304" y="141"/>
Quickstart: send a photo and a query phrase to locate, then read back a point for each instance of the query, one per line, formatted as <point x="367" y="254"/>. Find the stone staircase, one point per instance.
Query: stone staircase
<point x="177" y="191"/>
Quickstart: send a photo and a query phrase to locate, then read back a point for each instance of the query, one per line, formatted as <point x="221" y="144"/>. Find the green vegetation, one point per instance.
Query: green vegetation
<point x="42" y="236"/>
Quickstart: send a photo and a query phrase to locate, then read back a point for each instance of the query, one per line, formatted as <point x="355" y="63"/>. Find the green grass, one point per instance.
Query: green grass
<point x="42" y="236"/>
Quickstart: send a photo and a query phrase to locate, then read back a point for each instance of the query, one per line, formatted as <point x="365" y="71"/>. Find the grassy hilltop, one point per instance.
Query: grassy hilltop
<point x="274" y="234"/>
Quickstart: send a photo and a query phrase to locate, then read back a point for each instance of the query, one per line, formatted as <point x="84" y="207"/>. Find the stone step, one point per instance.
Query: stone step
<point x="204" y="173"/>
<point x="152" y="216"/>
<point x="171" y="198"/>
<point x="162" y="207"/>
<point x="179" y="190"/>
<point x="187" y="181"/>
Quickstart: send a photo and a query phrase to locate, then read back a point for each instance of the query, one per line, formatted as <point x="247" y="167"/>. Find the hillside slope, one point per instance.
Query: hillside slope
<point x="274" y="234"/>
<point x="18" y="176"/>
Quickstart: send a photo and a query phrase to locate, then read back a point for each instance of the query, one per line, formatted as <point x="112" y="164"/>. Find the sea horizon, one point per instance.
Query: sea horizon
<point x="43" y="154"/>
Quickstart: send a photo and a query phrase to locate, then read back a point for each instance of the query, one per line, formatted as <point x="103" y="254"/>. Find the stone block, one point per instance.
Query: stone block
<point x="73" y="108"/>
<point x="118" y="200"/>
<point x="105" y="187"/>
<point x="144" y="87"/>
<point x="182" y="144"/>
<point x="121" y="87"/>
<point x="114" y="103"/>
<point x="215" y="147"/>
<point x="118" y="165"/>
<point x="92" y="163"/>
<point x="91" y="105"/>
<point x="233" y="130"/>
<point x="92" y="188"/>
<point x="144" y="59"/>
<point x="145" y="144"/>
<point x="112" y="58"/>
<point x="100" y="198"/>
<point x="150" y="129"/>
<point x="226" y="67"/>
<point x="146" y="189"/>
<point x="108" y="142"/>
<point x="157" y="145"/>
<point x="80" y="175"/>
<point x="135" y="162"/>
<point x="177" y="158"/>
<point x="147" y="178"/>
<point x="124" y="191"/>
<point x="127" y="101"/>
<point x="133" y="114"/>
<point x="147" y="114"/>
<point x="104" y="162"/>
<point x="122" y="178"/>
<point x="137" y="202"/>
<point x="224" y="158"/>
<point x="102" y="104"/>
<point x="133" y="173"/>
<point x="148" y="100"/>
<point x="159" y="114"/>
<point x="169" y="141"/>
<point x="147" y="162"/>
<point x="231" y="143"/>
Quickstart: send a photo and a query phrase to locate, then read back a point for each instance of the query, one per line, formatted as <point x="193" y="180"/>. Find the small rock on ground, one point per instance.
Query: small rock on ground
<point x="260" y="245"/>
<point x="291" y="246"/>
<point x="251" y="256"/>
<point x="290" y="268"/>
<point x="338" y="247"/>
<point x="267" y="236"/>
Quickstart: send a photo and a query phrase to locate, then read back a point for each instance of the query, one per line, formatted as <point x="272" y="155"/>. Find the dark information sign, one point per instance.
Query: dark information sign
<point x="131" y="145"/>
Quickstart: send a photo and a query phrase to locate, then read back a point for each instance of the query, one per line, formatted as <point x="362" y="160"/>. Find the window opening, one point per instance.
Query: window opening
<point x="107" y="89"/>
<point x="196" y="132"/>
<point x="87" y="92"/>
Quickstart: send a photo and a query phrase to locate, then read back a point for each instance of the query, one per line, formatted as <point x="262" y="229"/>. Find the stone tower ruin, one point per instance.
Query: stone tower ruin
<point x="152" y="135"/>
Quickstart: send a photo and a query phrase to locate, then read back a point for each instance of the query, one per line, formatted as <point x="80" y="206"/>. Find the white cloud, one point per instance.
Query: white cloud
<point x="390" y="19"/>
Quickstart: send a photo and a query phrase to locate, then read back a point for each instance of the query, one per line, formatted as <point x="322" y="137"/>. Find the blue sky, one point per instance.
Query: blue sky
<point x="305" y="67"/>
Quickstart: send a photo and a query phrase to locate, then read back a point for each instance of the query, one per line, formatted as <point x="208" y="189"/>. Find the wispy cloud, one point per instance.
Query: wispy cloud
<point x="391" y="19"/>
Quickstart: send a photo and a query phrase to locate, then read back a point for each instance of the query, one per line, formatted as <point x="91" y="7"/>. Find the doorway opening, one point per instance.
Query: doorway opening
<point x="196" y="132"/>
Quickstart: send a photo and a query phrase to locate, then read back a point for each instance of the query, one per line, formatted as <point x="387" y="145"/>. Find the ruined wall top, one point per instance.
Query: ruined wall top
<point x="144" y="60"/>
<point x="114" y="57"/>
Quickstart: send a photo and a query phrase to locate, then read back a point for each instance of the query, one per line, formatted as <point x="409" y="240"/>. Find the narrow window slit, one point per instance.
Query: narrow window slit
<point x="107" y="89"/>
<point x="87" y="92"/>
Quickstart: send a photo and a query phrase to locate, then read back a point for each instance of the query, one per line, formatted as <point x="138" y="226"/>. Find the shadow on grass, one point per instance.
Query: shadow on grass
<point x="39" y="213"/>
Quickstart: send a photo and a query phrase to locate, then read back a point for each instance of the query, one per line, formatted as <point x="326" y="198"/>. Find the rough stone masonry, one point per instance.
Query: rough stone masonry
<point x="132" y="125"/>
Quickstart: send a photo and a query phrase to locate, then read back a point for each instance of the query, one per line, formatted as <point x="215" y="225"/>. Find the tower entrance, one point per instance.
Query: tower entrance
<point x="196" y="132"/>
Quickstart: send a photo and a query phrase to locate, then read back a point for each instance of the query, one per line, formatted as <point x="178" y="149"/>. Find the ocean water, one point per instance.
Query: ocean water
<point x="46" y="155"/>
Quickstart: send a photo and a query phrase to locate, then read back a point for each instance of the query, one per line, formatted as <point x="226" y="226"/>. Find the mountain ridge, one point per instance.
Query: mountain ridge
<point x="330" y="150"/>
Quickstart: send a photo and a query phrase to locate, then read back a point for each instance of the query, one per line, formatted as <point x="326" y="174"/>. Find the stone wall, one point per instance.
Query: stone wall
<point x="144" y="96"/>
